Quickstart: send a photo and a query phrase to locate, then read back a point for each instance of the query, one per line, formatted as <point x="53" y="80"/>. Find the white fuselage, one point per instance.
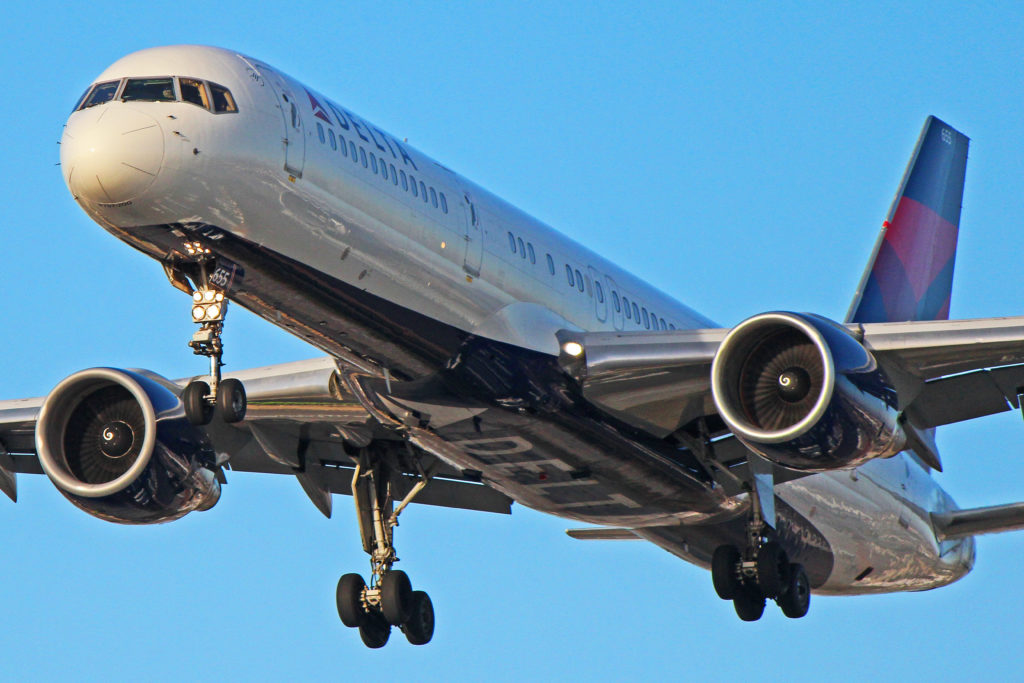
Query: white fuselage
<point x="274" y="174"/>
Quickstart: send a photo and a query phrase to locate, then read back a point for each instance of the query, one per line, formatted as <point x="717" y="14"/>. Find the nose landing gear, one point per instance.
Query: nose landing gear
<point x="209" y="308"/>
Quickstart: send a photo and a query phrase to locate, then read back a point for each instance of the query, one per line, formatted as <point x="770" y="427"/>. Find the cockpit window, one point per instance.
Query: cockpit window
<point x="194" y="92"/>
<point x="209" y="96"/>
<point x="149" y="90"/>
<point x="222" y="99"/>
<point x="103" y="92"/>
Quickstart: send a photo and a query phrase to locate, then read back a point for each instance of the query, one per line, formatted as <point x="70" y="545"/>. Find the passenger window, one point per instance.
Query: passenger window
<point x="405" y="181"/>
<point x="647" y="321"/>
<point x="636" y="313"/>
<point x="384" y="170"/>
<point x="193" y="91"/>
<point x="551" y="265"/>
<point x="394" y="176"/>
<point x="102" y="93"/>
<point x="373" y="163"/>
<point x="661" y="322"/>
<point x="568" y="275"/>
<point x="423" y="191"/>
<point x="334" y="140"/>
<point x="625" y="302"/>
<point x="512" y="242"/>
<point x="615" y="300"/>
<point x="533" y="254"/>
<point x="362" y="157"/>
<point x="344" y="145"/>
<point x="600" y="292"/>
<point x="522" y="249"/>
<point x="579" y="281"/>
<point x="352" y="151"/>
<point x="412" y="184"/>
<point x="671" y="326"/>
<point x="433" y="197"/>
<point x="148" y="90"/>
<point x="444" y="203"/>
<point x="223" y="102"/>
<point x="320" y="132"/>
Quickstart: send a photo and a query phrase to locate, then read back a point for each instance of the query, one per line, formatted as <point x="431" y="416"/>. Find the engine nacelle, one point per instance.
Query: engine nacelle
<point x="802" y="392"/>
<point x="117" y="444"/>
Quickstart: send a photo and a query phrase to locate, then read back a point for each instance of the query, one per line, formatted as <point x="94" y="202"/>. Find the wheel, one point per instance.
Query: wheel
<point x="374" y="631"/>
<point x="723" y="571"/>
<point x="419" y="629"/>
<point x="231" y="400"/>
<point x="797" y="599"/>
<point x="772" y="569"/>
<point x="197" y="409"/>
<point x="749" y="603"/>
<point x="350" y="600"/>
<point x="395" y="597"/>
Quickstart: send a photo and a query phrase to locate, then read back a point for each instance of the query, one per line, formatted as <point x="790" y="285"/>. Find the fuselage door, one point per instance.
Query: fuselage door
<point x="600" y="295"/>
<point x="474" y="239"/>
<point x="294" y="134"/>
<point x="612" y="295"/>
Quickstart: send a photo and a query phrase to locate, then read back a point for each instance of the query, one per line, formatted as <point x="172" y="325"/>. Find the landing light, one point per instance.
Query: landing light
<point x="573" y="348"/>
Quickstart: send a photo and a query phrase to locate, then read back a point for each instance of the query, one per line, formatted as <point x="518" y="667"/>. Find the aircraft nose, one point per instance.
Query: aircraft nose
<point x="111" y="153"/>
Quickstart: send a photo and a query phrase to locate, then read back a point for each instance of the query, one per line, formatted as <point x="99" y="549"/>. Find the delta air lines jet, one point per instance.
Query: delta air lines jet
<point x="475" y="357"/>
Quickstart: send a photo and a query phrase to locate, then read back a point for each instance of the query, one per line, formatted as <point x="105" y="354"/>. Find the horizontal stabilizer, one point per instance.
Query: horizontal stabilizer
<point x="603" y="534"/>
<point x="974" y="522"/>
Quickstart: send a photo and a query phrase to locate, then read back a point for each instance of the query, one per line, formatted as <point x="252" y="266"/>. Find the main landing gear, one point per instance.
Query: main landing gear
<point x="759" y="572"/>
<point x="389" y="599"/>
<point x="209" y="308"/>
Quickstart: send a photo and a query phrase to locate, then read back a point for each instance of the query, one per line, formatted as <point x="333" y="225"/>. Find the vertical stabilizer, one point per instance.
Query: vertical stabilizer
<point x="910" y="274"/>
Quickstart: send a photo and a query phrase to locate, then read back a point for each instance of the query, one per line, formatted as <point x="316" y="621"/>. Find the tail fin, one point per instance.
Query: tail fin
<point x="910" y="274"/>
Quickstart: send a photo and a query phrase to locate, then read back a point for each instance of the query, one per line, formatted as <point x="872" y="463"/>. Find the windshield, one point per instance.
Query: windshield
<point x="103" y="92"/>
<point x="149" y="90"/>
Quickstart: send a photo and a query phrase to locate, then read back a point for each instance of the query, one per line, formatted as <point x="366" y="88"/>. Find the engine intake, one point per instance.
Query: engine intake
<point x="117" y="444"/>
<point x="800" y="391"/>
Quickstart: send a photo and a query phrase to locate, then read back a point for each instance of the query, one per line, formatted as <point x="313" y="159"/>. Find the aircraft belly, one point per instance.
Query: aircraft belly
<point x="881" y="541"/>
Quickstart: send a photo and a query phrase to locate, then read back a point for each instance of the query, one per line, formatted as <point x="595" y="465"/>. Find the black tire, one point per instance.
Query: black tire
<point x="797" y="599"/>
<point x="375" y="631"/>
<point x="197" y="409"/>
<point x="419" y="629"/>
<point x="395" y="597"/>
<point x="231" y="401"/>
<point x="749" y="603"/>
<point x="772" y="569"/>
<point x="723" y="571"/>
<point x="350" y="600"/>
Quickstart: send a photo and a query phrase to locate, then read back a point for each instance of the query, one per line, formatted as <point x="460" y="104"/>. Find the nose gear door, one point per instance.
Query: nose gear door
<point x="294" y="134"/>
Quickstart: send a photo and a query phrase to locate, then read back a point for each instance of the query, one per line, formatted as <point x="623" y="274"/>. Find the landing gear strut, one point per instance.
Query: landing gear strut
<point x="389" y="599"/>
<point x="209" y="308"/>
<point x="761" y="571"/>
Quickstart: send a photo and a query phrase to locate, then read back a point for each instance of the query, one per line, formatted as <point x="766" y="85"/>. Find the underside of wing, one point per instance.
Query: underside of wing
<point x="300" y="421"/>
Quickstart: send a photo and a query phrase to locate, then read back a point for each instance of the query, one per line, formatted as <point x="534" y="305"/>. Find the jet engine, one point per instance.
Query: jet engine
<point x="801" y="391"/>
<point x="117" y="444"/>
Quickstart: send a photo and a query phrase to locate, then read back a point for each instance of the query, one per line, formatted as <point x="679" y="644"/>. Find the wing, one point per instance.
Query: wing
<point x="946" y="371"/>
<point x="301" y="422"/>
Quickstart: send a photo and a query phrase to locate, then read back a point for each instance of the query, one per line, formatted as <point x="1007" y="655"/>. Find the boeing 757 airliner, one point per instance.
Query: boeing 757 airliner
<point x="475" y="357"/>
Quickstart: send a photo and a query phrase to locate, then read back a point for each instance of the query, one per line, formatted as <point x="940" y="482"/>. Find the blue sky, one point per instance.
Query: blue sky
<point x="739" y="156"/>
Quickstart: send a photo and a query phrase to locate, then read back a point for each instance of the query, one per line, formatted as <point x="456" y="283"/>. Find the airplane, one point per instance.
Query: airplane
<point x="476" y="358"/>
